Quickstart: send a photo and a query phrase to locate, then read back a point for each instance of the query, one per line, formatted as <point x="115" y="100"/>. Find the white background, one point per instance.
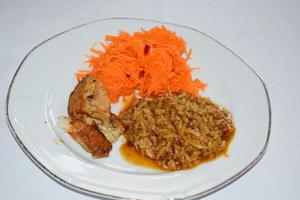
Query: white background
<point x="266" y="34"/>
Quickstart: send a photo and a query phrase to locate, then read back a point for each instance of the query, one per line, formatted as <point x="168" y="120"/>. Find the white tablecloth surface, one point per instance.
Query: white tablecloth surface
<point x="264" y="33"/>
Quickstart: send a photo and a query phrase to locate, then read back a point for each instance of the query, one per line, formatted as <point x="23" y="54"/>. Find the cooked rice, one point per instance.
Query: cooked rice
<point x="178" y="131"/>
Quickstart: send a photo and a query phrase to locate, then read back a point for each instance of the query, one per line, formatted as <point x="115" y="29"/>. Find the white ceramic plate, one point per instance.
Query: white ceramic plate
<point x="39" y="93"/>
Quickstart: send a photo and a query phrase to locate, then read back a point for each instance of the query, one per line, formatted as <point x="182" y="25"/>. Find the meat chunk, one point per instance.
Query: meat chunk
<point x="111" y="129"/>
<point x="89" y="98"/>
<point x="90" y="138"/>
<point x="91" y="122"/>
<point x="90" y="103"/>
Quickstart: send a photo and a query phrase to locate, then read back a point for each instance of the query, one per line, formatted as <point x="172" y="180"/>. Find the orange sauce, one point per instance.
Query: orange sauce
<point x="131" y="155"/>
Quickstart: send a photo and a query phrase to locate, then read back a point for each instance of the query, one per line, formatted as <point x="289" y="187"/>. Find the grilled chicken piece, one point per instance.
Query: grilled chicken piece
<point x="89" y="98"/>
<point x="111" y="129"/>
<point x="90" y="103"/>
<point x="90" y="138"/>
<point x="91" y="123"/>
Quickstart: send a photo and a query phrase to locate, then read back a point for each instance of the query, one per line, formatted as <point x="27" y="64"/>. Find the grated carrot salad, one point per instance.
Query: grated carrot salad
<point x="151" y="62"/>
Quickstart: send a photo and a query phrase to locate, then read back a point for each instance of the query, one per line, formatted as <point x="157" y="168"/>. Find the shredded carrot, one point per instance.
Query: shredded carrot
<point x="151" y="62"/>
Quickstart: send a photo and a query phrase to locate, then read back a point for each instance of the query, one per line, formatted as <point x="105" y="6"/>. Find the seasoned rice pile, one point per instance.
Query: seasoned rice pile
<point x="178" y="131"/>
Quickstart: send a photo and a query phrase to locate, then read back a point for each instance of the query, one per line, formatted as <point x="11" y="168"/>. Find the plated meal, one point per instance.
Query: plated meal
<point x="142" y="112"/>
<point x="163" y="117"/>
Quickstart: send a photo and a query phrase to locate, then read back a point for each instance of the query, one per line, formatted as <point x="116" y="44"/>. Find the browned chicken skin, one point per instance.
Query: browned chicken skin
<point x="92" y="124"/>
<point x="90" y="139"/>
<point x="89" y="98"/>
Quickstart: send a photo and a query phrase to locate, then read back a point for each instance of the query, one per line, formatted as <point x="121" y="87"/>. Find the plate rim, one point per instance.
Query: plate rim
<point x="95" y="194"/>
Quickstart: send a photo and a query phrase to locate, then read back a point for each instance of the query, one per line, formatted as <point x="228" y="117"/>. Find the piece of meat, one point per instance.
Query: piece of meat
<point x="112" y="129"/>
<point x="90" y="103"/>
<point x="89" y="98"/>
<point x="91" y="121"/>
<point x="90" y="138"/>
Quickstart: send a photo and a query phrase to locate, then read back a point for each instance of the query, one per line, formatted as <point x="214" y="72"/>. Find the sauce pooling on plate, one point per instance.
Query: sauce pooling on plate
<point x="132" y="156"/>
